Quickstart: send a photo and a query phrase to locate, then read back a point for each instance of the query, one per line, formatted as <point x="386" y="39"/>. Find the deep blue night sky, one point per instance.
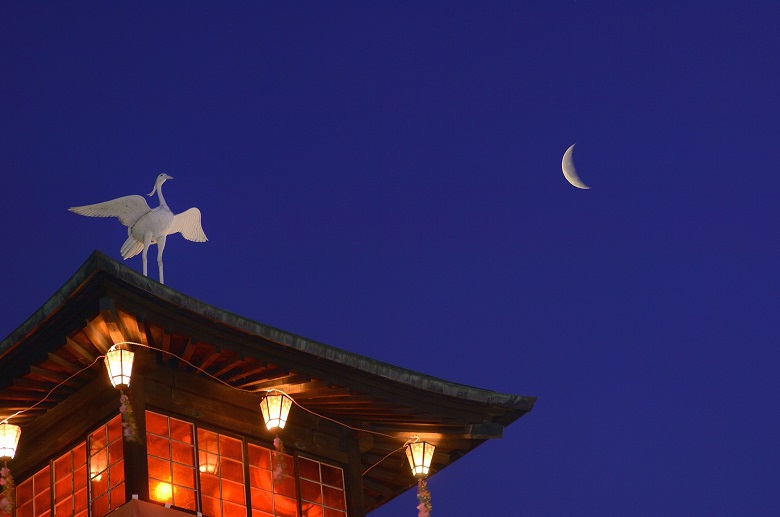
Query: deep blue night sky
<point x="386" y="178"/>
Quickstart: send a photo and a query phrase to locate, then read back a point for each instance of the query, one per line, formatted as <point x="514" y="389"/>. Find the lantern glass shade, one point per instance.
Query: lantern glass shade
<point x="9" y="439"/>
<point x="275" y="408"/>
<point x="420" y="455"/>
<point x="119" y="363"/>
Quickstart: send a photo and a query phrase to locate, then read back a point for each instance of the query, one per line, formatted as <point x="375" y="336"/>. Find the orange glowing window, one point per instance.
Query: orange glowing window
<point x="106" y="467"/>
<point x="271" y="497"/>
<point x="33" y="496"/>
<point x="221" y="470"/>
<point x="322" y="489"/>
<point x="70" y="483"/>
<point x="171" y="457"/>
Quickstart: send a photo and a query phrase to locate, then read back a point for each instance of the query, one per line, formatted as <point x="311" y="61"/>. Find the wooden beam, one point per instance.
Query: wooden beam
<point x="80" y="351"/>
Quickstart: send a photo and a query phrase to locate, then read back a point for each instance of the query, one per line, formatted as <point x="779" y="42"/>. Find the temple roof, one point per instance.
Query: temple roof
<point x="106" y="302"/>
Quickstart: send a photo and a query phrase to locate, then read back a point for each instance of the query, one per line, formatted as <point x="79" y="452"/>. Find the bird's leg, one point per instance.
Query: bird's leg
<point x="160" y="248"/>
<point x="147" y="242"/>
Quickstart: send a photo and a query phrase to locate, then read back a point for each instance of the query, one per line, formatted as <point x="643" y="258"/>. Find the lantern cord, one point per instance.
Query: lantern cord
<point x="5" y="420"/>
<point x="214" y="377"/>
<point x="413" y="439"/>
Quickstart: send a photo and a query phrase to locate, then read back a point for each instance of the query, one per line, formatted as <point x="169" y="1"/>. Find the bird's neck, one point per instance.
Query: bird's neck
<point x="160" y="197"/>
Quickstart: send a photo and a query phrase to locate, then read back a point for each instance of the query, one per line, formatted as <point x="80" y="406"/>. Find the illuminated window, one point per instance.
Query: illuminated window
<point x="221" y="467"/>
<point x="70" y="483"/>
<point x="271" y="497"/>
<point x="322" y="489"/>
<point x="171" y="456"/>
<point x="33" y="497"/>
<point x="68" y="476"/>
<point x="106" y="468"/>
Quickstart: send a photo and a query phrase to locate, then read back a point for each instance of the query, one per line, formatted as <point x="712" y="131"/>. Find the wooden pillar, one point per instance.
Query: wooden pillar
<point x="354" y="479"/>
<point x="136" y="463"/>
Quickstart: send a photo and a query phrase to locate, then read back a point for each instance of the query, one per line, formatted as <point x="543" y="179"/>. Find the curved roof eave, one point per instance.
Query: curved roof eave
<point x="98" y="262"/>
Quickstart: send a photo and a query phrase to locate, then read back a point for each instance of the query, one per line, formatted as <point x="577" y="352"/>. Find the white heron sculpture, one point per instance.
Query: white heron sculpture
<point x="146" y="226"/>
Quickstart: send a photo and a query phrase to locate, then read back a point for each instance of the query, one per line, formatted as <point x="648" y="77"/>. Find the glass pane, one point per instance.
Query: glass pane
<point x="80" y="500"/>
<point x="80" y="478"/>
<point x="98" y="463"/>
<point x="208" y="462"/>
<point x="309" y="469"/>
<point x="156" y="424"/>
<point x="259" y="456"/>
<point x="160" y="491"/>
<point x="97" y="440"/>
<point x="63" y="466"/>
<point x="118" y="496"/>
<point x="260" y="478"/>
<point x="207" y="441"/>
<point x="24" y="492"/>
<point x="311" y="491"/>
<point x="232" y="491"/>
<point x="158" y="446"/>
<point x="42" y="479"/>
<point x="115" y="429"/>
<point x="232" y="470"/>
<point x="116" y="474"/>
<point x="115" y="452"/>
<point x="332" y="476"/>
<point x="334" y="497"/>
<point x="211" y="506"/>
<point x="100" y="506"/>
<point x="262" y="500"/>
<point x="42" y="501"/>
<point x="285" y="486"/>
<point x="285" y="507"/>
<point x="99" y="484"/>
<point x="234" y="510"/>
<point x="311" y="510"/>
<point x="64" y="508"/>
<point x="182" y="453"/>
<point x="181" y="431"/>
<point x="80" y="455"/>
<point x="230" y="448"/>
<point x="25" y="510"/>
<point x="184" y="498"/>
<point x="63" y="489"/>
<point x="183" y="476"/>
<point x="159" y="469"/>
<point x="209" y="485"/>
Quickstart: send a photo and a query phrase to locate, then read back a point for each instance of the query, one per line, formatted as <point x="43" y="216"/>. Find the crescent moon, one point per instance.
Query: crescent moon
<point x="569" y="172"/>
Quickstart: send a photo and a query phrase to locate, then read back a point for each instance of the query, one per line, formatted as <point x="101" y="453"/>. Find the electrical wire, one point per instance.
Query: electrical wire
<point x="413" y="439"/>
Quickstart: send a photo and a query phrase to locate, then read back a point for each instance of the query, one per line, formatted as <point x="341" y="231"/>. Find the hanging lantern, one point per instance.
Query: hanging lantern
<point x="9" y="439"/>
<point x="420" y="455"/>
<point x="275" y="408"/>
<point x="119" y="363"/>
<point x="208" y="462"/>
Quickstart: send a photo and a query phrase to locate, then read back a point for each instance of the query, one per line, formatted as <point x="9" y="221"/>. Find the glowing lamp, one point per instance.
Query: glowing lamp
<point x="275" y="408"/>
<point x="207" y="462"/>
<point x="9" y="439"/>
<point x="420" y="455"/>
<point x="119" y="363"/>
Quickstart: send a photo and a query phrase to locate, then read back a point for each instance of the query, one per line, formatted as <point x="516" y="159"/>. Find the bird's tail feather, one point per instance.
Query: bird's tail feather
<point x="131" y="248"/>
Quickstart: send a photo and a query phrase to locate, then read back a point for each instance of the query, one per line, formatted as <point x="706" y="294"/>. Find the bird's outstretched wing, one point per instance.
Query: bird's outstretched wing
<point x="188" y="223"/>
<point x="128" y="209"/>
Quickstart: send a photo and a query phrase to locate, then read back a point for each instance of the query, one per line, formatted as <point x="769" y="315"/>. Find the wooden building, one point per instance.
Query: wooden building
<point x="199" y="376"/>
